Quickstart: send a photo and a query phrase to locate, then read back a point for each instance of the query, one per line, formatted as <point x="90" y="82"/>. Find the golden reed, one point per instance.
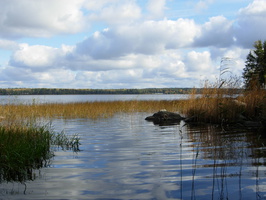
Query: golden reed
<point x="92" y="110"/>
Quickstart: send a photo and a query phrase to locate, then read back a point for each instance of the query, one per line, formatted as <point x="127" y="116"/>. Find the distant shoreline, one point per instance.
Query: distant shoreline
<point x="60" y="91"/>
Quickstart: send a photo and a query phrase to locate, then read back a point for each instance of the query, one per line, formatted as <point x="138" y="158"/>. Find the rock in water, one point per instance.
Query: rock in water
<point x="164" y="117"/>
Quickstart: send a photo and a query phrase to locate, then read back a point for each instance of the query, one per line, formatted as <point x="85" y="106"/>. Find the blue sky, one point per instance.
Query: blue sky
<point x="125" y="43"/>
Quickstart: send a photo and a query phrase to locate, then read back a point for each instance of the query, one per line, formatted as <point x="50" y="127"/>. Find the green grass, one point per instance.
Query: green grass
<point x="25" y="148"/>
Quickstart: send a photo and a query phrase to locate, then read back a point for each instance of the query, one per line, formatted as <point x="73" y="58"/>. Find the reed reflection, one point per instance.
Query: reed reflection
<point x="234" y="156"/>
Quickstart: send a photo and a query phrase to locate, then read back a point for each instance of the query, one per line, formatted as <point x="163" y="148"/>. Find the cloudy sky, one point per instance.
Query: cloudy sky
<point x="125" y="43"/>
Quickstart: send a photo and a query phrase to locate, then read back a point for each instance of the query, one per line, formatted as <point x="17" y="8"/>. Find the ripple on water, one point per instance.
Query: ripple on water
<point x="126" y="157"/>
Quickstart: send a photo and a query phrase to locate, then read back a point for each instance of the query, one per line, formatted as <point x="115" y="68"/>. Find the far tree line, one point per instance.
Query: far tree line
<point x="57" y="91"/>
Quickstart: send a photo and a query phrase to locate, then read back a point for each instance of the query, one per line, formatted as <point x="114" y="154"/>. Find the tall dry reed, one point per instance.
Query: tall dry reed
<point x="214" y="105"/>
<point x="255" y="104"/>
<point x="217" y="104"/>
<point x="92" y="110"/>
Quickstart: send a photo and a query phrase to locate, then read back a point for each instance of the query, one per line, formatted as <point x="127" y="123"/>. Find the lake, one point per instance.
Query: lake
<point x="29" y="99"/>
<point x="126" y="157"/>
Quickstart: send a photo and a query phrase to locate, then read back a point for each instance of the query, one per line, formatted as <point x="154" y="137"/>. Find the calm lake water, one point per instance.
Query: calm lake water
<point x="29" y="99"/>
<point x="126" y="157"/>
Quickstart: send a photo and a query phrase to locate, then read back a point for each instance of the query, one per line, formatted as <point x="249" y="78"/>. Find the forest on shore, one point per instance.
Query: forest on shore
<point x="61" y="91"/>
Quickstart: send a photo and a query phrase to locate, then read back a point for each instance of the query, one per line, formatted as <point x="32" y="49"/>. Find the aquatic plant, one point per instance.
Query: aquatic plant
<point x="91" y="110"/>
<point x="24" y="148"/>
<point x="226" y="105"/>
<point x="66" y="142"/>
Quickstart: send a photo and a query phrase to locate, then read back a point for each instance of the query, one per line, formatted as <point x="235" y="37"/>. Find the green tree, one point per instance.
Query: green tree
<point x="255" y="71"/>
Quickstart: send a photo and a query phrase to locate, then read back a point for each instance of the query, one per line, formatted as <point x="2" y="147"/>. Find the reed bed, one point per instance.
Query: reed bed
<point x="26" y="145"/>
<point x="214" y="105"/>
<point x="255" y="104"/>
<point x="91" y="110"/>
<point x="22" y="149"/>
<point x="225" y="106"/>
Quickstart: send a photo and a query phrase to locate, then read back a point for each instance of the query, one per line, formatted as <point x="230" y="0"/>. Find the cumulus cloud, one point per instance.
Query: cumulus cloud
<point x="8" y="45"/>
<point x="156" y="8"/>
<point x="199" y="61"/>
<point x="40" y="18"/>
<point x="38" y="57"/>
<point x="25" y="77"/>
<point x="251" y="23"/>
<point x="138" y="47"/>
<point x="149" y="37"/>
<point x="203" y="4"/>
<point x="96" y="5"/>
<point x="216" y="32"/>
<point x="115" y="14"/>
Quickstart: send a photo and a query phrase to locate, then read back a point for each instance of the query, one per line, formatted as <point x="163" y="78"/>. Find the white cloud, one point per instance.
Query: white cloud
<point x="203" y="4"/>
<point x="149" y="37"/>
<point x="131" y="51"/>
<point x="216" y="32"/>
<point x="8" y="45"/>
<point x="237" y="60"/>
<point x="114" y="14"/>
<point x="251" y="23"/>
<point x="156" y="8"/>
<point x="257" y="7"/>
<point x="27" y="78"/>
<point x="16" y="74"/>
<point x="40" y="18"/>
<point x="199" y="62"/>
<point x="96" y="5"/>
<point x="62" y="77"/>
<point x="36" y="57"/>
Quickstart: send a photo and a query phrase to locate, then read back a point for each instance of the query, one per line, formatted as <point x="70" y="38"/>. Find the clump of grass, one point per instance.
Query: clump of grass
<point x="24" y="148"/>
<point x="66" y="142"/>
<point x="21" y="150"/>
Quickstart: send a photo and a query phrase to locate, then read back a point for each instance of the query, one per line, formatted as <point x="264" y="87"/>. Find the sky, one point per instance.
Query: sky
<point x="114" y="44"/>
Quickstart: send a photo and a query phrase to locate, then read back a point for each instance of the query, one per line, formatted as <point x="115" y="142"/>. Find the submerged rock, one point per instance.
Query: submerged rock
<point x="165" y="117"/>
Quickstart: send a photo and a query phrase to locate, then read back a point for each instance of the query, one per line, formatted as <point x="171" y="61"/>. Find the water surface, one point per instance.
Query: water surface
<point x="126" y="157"/>
<point x="30" y="99"/>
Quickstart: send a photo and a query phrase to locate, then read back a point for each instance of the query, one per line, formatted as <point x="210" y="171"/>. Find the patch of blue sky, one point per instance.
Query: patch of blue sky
<point x="179" y="9"/>
<point x="143" y="4"/>
<point x="57" y="41"/>
<point x="5" y="56"/>
<point x="201" y="14"/>
<point x="228" y="9"/>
